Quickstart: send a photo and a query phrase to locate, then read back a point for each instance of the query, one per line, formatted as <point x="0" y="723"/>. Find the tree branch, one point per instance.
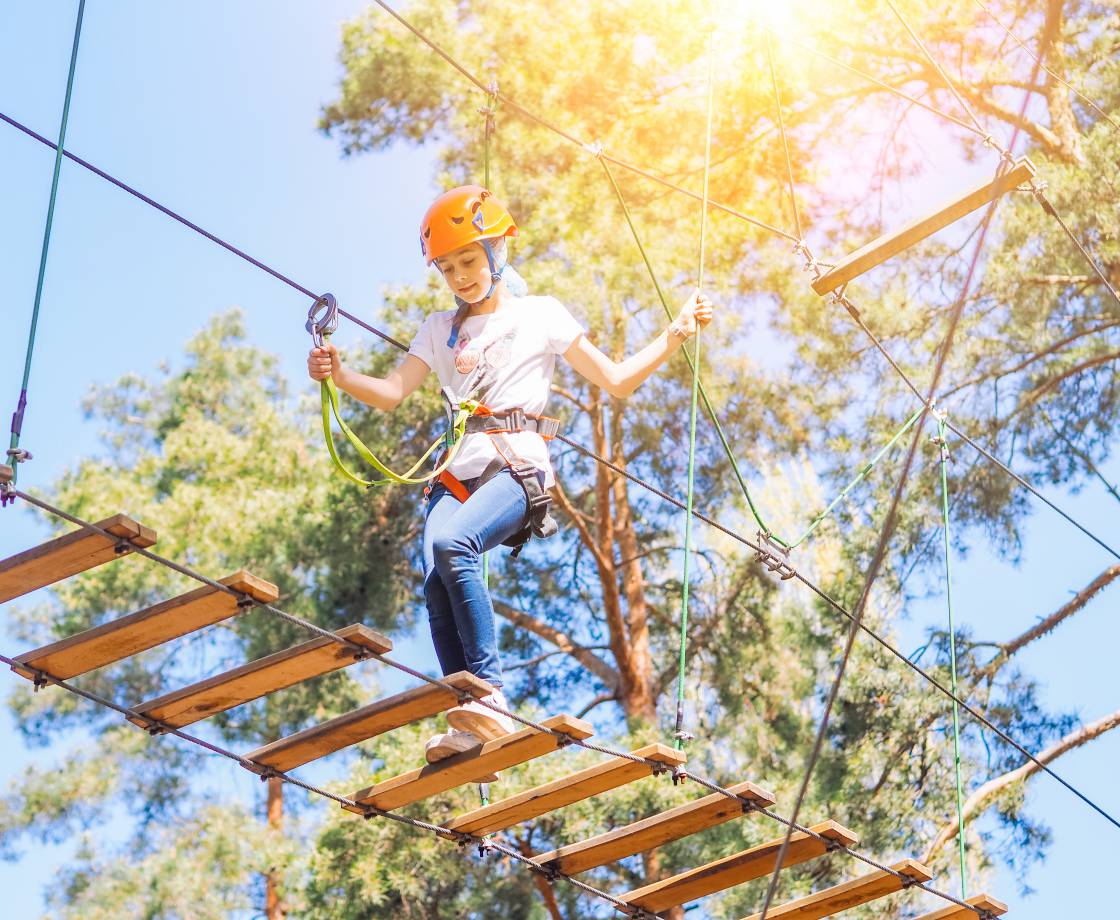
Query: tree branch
<point x="562" y="641"/>
<point x="978" y="802"/>
<point x="1047" y="625"/>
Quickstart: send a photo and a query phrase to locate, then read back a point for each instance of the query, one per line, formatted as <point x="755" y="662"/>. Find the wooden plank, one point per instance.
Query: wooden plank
<point x="870" y="887"/>
<point x="367" y="722"/>
<point x="6" y="473"/>
<point x="882" y="248"/>
<point x="736" y="869"/>
<point x="953" y="912"/>
<point x="145" y="629"/>
<point x="665" y="827"/>
<point x="618" y="771"/>
<point x="467" y="767"/>
<point x="70" y="554"/>
<point x="258" y="678"/>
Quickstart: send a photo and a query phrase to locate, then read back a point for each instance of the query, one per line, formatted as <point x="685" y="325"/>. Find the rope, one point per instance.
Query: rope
<point x="1089" y="102"/>
<point x="163" y="209"/>
<point x="913" y="100"/>
<point x="782" y="128"/>
<point x="944" y="449"/>
<point x="1040" y="197"/>
<point x="933" y="63"/>
<point x="15" y="454"/>
<point x="556" y="129"/>
<point x="679" y="734"/>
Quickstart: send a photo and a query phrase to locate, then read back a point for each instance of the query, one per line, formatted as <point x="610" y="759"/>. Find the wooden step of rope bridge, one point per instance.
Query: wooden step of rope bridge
<point x="879" y="250"/>
<point x="173" y="618"/>
<point x="71" y="554"/>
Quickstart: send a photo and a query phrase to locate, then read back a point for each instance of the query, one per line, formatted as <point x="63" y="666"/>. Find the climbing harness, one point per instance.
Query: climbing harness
<point x="539" y="522"/>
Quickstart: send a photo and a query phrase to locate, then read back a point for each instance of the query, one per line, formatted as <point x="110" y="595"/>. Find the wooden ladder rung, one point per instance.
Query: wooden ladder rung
<point x="738" y="868"/>
<point x="469" y="766"/>
<point x="7" y="474"/>
<point x="882" y="248"/>
<point x="618" y="771"/>
<point x="368" y="722"/>
<point x="144" y="629"/>
<point x="258" y="678"/>
<point x="870" y="887"/>
<point x="953" y="912"/>
<point x="70" y="554"/>
<point x="665" y="827"/>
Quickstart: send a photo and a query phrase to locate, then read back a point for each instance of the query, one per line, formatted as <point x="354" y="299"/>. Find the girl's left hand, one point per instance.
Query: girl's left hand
<point x="696" y="312"/>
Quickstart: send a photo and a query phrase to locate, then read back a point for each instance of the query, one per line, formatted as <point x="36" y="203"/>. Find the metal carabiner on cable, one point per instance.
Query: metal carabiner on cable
<point x="327" y="325"/>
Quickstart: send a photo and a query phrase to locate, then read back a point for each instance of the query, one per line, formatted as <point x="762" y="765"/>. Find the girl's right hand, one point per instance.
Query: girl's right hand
<point x="324" y="361"/>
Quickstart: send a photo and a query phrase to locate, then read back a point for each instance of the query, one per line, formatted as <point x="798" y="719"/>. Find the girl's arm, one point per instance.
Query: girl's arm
<point x="621" y="378"/>
<point x="385" y="393"/>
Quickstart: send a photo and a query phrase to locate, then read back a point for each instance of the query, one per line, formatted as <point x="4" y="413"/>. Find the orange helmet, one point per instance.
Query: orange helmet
<point x="462" y="216"/>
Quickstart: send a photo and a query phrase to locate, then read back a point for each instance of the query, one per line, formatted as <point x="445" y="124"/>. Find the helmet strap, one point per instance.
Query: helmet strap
<point x="495" y="277"/>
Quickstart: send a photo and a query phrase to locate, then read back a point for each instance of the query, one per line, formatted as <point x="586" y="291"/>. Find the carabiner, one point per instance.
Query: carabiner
<point x="318" y="328"/>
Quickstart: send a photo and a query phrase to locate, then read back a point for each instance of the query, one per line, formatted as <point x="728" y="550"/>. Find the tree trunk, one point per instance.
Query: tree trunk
<point x="273" y="905"/>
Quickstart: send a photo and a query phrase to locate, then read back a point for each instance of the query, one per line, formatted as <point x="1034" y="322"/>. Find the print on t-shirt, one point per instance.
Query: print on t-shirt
<point x="480" y="363"/>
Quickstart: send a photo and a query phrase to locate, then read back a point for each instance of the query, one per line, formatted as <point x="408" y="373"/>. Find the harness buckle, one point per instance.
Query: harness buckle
<point x="515" y="420"/>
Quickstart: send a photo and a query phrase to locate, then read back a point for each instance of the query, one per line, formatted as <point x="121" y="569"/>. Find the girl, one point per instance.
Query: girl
<point x="498" y="347"/>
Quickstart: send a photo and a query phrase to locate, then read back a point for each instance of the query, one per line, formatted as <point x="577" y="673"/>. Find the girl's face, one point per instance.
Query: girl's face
<point x="466" y="272"/>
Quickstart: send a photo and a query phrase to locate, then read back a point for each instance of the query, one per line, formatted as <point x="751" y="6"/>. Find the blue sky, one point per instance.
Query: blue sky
<point x="211" y="109"/>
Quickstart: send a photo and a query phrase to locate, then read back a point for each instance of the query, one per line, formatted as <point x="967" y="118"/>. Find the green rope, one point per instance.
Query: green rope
<point x="941" y="430"/>
<point x="679" y="734"/>
<point x="17" y="417"/>
<point x="709" y="409"/>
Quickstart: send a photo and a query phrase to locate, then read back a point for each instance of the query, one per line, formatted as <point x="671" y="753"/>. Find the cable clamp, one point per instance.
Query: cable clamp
<point x="657" y="768"/>
<point x="245" y="601"/>
<point x="122" y="546"/>
<point x="563" y="739"/>
<point x="594" y="148"/>
<point x="835" y="846"/>
<point x="19" y="455"/>
<point x="774" y="556"/>
<point x="908" y="881"/>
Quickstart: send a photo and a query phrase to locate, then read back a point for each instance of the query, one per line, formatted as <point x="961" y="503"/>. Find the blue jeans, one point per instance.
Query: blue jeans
<point x="460" y="612"/>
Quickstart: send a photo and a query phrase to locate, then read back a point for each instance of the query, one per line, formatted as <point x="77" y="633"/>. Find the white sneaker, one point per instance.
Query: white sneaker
<point x="482" y="721"/>
<point x="448" y="744"/>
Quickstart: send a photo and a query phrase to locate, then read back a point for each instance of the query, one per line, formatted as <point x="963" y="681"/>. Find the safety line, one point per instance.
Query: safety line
<point x="1018" y="41"/>
<point x="943" y="447"/>
<point x="679" y="733"/>
<point x="364" y="652"/>
<point x="229" y="247"/>
<point x="556" y="129"/>
<point x="15" y="455"/>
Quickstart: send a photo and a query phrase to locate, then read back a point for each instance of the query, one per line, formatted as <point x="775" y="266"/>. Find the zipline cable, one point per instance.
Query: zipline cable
<point x="782" y="128"/>
<point x="15" y="454"/>
<point x="679" y="733"/>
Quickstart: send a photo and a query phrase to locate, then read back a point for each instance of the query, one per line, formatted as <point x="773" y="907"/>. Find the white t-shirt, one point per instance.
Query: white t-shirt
<point x="504" y="360"/>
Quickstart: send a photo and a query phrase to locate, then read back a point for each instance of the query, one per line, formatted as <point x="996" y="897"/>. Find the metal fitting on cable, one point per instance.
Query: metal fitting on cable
<point x="774" y="556"/>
